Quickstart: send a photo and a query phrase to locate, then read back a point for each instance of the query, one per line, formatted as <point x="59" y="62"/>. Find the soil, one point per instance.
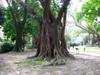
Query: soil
<point x="84" y="64"/>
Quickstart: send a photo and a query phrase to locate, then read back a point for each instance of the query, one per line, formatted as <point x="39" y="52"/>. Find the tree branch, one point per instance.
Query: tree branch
<point x="25" y="15"/>
<point x="82" y="27"/>
<point x="29" y="9"/>
<point x="26" y="6"/>
<point x="63" y="8"/>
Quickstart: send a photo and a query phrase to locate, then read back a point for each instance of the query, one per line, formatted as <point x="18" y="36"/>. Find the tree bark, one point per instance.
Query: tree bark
<point x="52" y="41"/>
<point x="19" y="46"/>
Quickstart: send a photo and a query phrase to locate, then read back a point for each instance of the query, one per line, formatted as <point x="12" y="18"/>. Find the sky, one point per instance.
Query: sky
<point x="74" y="7"/>
<point x="3" y="3"/>
<point x="77" y="4"/>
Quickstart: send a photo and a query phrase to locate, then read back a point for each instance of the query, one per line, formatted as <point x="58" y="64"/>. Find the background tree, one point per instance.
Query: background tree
<point x="18" y="15"/>
<point x="30" y="25"/>
<point x="90" y="14"/>
<point x="30" y="28"/>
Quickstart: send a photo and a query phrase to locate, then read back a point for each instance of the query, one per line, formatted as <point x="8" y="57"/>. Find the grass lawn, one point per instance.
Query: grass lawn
<point x="93" y="49"/>
<point x="87" y="49"/>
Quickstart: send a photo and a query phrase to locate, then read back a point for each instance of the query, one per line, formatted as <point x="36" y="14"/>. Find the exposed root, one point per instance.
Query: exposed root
<point x="58" y="60"/>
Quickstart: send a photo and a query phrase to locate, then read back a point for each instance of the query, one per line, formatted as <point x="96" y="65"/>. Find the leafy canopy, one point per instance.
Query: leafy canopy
<point x="91" y="15"/>
<point x="31" y="24"/>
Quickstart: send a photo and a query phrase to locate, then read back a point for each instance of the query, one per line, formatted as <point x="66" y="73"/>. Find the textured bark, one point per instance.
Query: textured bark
<point x="19" y="46"/>
<point x="52" y="41"/>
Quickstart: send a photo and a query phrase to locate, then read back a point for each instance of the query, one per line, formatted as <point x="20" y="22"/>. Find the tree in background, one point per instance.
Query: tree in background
<point x="28" y="25"/>
<point x="17" y="18"/>
<point x="90" y="14"/>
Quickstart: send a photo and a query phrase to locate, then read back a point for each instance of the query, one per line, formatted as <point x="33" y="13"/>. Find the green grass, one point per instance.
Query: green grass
<point x="89" y="49"/>
<point x="93" y="49"/>
<point x="31" y="62"/>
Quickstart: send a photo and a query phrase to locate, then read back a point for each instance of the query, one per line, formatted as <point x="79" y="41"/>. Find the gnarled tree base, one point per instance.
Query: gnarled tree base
<point x="51" y="42"/>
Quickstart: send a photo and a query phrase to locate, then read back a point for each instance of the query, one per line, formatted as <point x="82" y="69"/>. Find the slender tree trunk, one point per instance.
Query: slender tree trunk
<point x="19" y="45"/>
<point x="1" y="16"/>
<point x="98" y="39"/>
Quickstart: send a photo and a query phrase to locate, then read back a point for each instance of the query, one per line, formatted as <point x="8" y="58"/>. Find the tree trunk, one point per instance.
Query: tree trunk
<point x="51" y="43"/>
<point x="19" y="45"/>
<point x="1" y="17"/>
<point x="98" y="39"/>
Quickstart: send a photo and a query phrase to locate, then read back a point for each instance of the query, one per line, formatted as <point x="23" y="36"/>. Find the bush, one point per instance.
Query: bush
<point x="6" y="47"/>
<point x="29" y="46"/>
<point x="74" y="44"/>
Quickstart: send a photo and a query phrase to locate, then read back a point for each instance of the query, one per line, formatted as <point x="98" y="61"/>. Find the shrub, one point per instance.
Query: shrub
<point x="6" y="47"/>
<point x="28" y="46"/>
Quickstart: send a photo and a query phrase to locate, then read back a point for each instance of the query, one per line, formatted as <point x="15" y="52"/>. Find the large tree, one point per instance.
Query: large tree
<point x="51" y="41"/>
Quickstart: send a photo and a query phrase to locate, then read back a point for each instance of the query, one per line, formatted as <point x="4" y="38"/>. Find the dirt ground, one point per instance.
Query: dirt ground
<point x="83" y="65"/>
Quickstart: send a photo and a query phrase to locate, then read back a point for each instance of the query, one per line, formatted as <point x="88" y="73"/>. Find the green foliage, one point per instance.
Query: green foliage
<point x="54" y="8"/>
<point x="6" y="40"/>
<point x="79" y="16"/>
<point x="8" y="27"/>
<point x="31" y="24"/>
<point x="36" y="5"/>
<point x="90" y="13"/>
<point x="31" y="62"/>
<point x="29" y="46"/>
<point x="6" y="47"/>
<point x="31" y="27"/>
